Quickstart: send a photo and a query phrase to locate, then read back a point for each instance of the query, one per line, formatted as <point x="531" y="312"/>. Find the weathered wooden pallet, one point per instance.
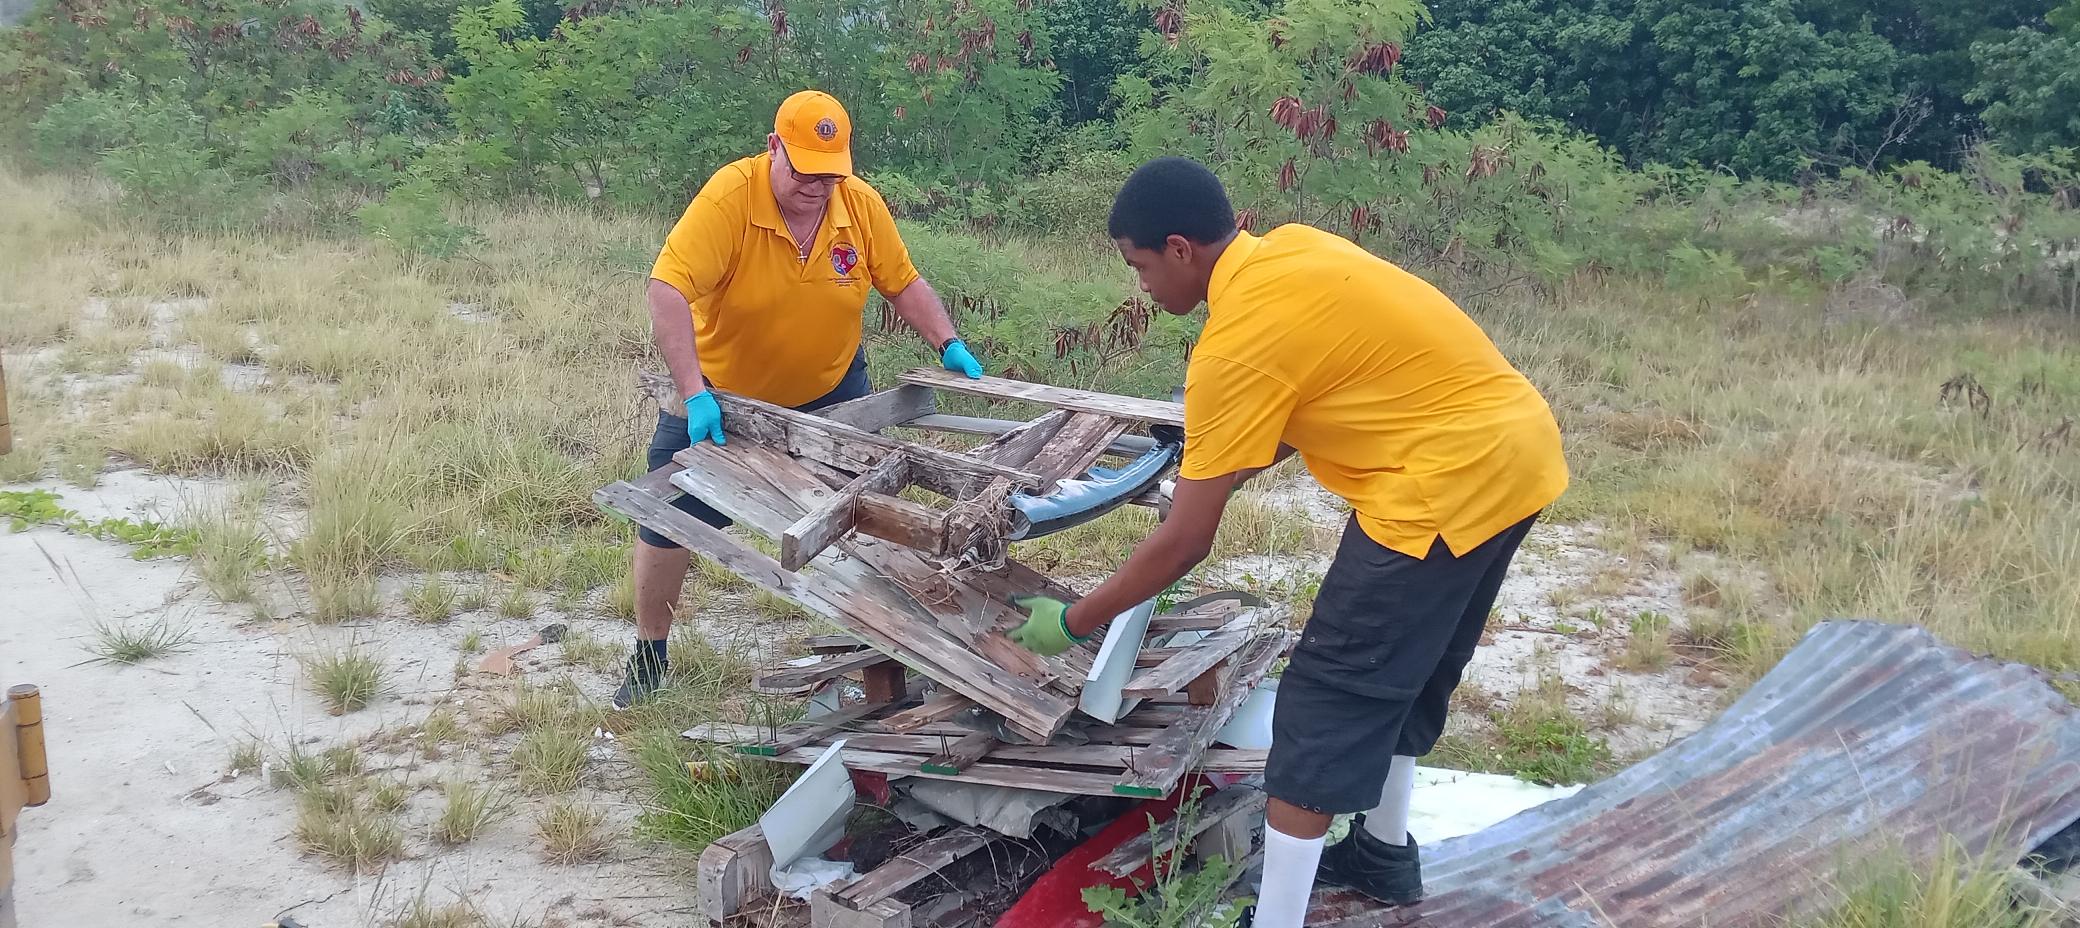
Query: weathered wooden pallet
<point x="925" y="585"/>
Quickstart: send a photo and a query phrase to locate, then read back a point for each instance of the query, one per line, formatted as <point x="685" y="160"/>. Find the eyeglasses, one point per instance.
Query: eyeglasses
<point x="810" y="180"/>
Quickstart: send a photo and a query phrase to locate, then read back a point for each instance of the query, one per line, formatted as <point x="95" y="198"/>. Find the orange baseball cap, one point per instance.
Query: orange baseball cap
<point x="816" y="132"/>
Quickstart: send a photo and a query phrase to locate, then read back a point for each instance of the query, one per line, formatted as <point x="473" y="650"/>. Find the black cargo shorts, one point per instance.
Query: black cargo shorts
<point x="671" y="438"/>
<point x="1376" y="665"/>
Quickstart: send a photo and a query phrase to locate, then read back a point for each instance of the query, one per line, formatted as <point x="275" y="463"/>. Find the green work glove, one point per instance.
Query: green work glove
<point x="1046" y="631"/>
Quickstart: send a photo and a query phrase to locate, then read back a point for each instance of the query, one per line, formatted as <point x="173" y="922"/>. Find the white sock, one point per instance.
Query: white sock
<point x="1389" y="820"/>
<point x="1289" y="866"/>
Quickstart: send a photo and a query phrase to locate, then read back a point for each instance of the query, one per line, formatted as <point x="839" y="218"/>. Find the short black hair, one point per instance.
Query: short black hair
<point x="1171" y="196"/>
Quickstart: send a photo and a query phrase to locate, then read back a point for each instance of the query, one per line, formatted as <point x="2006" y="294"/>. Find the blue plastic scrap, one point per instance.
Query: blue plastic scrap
<point x="1103" y="489"/>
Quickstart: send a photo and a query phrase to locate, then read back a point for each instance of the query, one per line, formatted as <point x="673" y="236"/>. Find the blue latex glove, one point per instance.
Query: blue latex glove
<point x="957" y="359"/>
<point x="704" y="418"/>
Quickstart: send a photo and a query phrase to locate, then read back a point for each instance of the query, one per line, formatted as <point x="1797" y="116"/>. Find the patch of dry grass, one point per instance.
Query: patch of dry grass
<point x="342" y="825"/>
<point x="230" y="549"/>
<point x="518" y="603"/>
<point x="441" y="726"/>
<point x="346" y="678"/>
<point x="247" y="755"/>
<point x="548" y="760"/>
<point x="470" y="808"/>
<point x="584" y="650"/>
<point x="573" y="832"/>
<point x="135" y="642"/>
<point x="1647" y="643"/>
<point x="424" y="914"/>
<point x="1956" y="890"/>
<point x="431" y="600"/>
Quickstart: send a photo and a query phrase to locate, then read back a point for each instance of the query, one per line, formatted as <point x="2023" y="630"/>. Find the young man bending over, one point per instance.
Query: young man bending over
<point x="1401" y="405"/>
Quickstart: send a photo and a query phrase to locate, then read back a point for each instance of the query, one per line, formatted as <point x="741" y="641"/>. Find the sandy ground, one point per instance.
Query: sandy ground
<point x="1542" y="625"/>
<point x="148" y="825"/>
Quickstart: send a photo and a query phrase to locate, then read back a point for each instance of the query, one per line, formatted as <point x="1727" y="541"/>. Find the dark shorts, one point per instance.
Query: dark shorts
<point x="670" y="438"/>
<point x="1376" y="665"/>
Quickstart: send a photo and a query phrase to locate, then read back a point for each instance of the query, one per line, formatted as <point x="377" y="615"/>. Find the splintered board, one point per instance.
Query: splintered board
<point x="1146" y="754"/>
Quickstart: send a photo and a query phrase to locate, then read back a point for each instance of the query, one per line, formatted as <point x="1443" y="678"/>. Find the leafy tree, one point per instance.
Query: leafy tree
<point x="1095" y="41"/>
<point x="2029" y="83"/>
<point x="1744" y="84"/>
<point x="1747" y="85"/>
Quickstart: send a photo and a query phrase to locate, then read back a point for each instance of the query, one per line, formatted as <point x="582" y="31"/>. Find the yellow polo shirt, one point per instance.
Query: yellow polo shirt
<point x="768" y="324"/>
<point x="1395" y="399"/>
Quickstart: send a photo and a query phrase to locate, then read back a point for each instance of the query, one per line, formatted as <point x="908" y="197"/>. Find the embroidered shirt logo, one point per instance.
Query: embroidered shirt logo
<point x="843" y="259"/>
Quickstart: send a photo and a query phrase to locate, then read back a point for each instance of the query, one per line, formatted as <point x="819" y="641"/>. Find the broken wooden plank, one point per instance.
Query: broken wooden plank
<point x="659" y="481"/>
<point x="1018" y="446"/>
<point x="1165" y="761"/>
<point x="1189" y="622"/>
<point x="848" y="593"/>
<point x="928" y="746"/>
<point x="809" y="535"/>
<point x="886" y="682"/>
<point x="833" y="644"/>
<point x="791" y="679"/>
<point x="1154" y="657"/>
<point x="795" y="734"/>
<point x="1219" y="807"/>
<point x="912" y="525"/>
<point x="1125" y="407"/>
<point x="939" y="707"/>
<point x="961" y="754"/>
<point x="1206" y="687"/>
<point x="733" y="869"/>
<point x="855" y="450"/>
<point x="881" y="409"/>
<point x="908" y="867"/>
<point x="1190" y="662"/>
<point x="1153" y="715"/>
<point x="1085" y="783"/>
<point x="825" y="911"/>
<point x="1125" y="445"/>
<point x="1075" y="447"/>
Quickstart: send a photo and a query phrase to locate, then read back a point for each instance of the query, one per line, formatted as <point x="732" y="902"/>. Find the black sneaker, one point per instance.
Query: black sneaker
<point x="643" y="678"/>
<point x="1360" y="861"/>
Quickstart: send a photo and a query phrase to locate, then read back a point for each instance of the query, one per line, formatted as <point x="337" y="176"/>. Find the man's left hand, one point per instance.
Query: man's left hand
<point x="1046" y="631"/>
<point x="956" y="358"/>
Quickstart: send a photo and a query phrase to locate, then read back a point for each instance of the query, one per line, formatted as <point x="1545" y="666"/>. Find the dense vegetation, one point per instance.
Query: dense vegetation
<point x="1798" y="277"/>
<point x="1831" y="144"/>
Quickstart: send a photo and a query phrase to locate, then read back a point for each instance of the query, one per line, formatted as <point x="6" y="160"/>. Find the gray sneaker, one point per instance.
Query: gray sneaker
<point x="1393" y="875"/>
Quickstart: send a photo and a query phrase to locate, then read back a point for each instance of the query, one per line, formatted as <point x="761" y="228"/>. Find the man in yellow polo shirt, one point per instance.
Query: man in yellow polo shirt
<point x="759" y="290"/>
<point x="1401" y="405"/>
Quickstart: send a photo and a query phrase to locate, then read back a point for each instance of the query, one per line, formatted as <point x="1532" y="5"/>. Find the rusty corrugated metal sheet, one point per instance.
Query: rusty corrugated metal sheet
<point x="1868" y="739"/>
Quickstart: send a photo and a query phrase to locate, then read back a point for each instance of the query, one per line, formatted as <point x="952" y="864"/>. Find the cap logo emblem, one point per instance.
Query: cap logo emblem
<point x="826" y="128"/>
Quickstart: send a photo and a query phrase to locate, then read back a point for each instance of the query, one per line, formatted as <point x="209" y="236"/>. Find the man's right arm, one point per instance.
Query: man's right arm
<point x="696" y="257"/>
<point x="671" y="327"/>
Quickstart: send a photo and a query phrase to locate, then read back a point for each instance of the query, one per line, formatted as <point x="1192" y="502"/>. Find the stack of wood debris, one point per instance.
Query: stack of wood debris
<point x="902" y="545"/>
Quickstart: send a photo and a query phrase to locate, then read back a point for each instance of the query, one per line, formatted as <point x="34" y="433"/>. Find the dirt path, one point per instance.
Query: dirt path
<point x="149" y="825"/>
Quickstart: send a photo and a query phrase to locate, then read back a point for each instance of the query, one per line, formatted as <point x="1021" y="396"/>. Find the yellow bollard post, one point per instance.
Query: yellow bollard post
<point x="24" y="778"/>
<point x="6" y="426"/>
<point x="28" y="721"/>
